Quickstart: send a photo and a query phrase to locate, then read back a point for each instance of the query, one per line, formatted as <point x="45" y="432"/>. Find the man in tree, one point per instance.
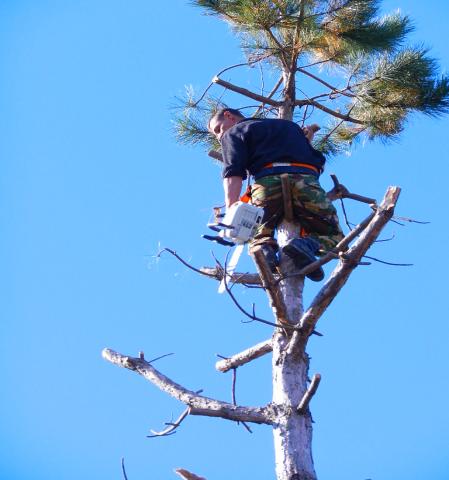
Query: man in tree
<point x="266" y="149"/>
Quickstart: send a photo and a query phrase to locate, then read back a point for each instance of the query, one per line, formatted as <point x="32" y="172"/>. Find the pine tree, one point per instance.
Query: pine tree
<point x="340" y="63"/>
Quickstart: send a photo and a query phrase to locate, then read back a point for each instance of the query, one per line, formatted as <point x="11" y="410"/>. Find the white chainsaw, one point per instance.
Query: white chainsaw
<point x="238" y="225"/>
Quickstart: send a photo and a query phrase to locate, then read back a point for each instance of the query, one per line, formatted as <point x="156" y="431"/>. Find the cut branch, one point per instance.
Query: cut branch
<point x="341" y="273"/>
<point x="245" y="278"/>
<point x="246" y="356"/>
<point x="246" y="93"/>
<point x="304" y="404"/>
<point x="340" y="191"/>
<point x="183" y="473"/>
<point x="199" y="405"/>
<point x="215" y="155"/>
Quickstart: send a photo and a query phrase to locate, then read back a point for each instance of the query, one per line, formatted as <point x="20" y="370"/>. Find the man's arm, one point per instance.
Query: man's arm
<point x="232" y="188"/>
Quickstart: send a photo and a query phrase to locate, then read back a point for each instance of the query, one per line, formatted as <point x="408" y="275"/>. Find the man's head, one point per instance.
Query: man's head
<point x="223" y="120"/>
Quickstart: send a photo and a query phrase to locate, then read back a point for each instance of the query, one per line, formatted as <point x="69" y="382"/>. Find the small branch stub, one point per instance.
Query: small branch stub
<point x="304" y="404"/>
<point x="246" y="356"/>
<point x="215" y="155"/>
<point x="183" y="473"/>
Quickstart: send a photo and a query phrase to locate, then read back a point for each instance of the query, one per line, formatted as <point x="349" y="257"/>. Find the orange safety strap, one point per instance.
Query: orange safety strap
<point x="285" y="164"/>
<point x="246" y="197"/>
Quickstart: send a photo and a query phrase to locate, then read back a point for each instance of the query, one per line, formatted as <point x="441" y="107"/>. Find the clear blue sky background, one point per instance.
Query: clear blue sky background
<point x="92" y="182"/>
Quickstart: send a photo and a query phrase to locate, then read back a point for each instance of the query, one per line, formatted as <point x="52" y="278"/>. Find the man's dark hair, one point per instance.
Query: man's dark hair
<point x="219" y="114"/>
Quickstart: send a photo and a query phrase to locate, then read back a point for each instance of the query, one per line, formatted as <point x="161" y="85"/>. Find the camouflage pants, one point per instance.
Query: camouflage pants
<point x="311" y="208"/>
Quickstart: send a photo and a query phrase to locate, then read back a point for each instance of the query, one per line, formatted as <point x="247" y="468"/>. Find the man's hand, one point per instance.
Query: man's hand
<point x="310" y="130"/>
<point x="232" y="188"/>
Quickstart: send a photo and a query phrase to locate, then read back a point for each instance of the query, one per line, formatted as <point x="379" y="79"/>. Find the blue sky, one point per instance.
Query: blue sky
<point x="92" y="183"/>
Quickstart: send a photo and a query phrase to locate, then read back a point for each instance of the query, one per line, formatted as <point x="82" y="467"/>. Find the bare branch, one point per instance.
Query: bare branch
<point x="123" y="469"/>
<point x="335" y="90"/>
<point x="389" y="239"/>
<point x="328" y="12"/>
<point x="252" y="316"/>
<point x="251" y="62"/>
<point x="199" y="405"/>
<point x="246" y="93"/>
<point x="234" y="382"/>
<point x="142" y="356"/>
<point x="183" y="473"/>
<point x="278" y="45"/>
<point x="410" y="220"/>
<point x="172" y="252"/>
<point x="215" y="155"/>
<point x="343" y="270"/>
<point x="246" y="356"/>
<point x="348" y="223"/>
<point x="172" y="426"/>
<point x="320" y="106"/>
<point x="270" y="95"/>
<point x="244" y="278"/>
<point x="304" y="403"/>
<point x="272" y="288"/>
<point x="389" y="263"/>
<point x="340" y="191"/>
<point x="319" y="62"/>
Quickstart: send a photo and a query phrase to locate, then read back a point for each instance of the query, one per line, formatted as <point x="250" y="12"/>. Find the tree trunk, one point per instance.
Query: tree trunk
<point x="293" y="432"/>
<point x="288" y="102"/>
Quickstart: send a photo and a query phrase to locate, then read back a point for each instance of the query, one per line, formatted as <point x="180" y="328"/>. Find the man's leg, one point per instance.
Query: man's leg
<point x="318" y="218"/>
<point x="267" y="193"/>
<point x="315" y="211"/>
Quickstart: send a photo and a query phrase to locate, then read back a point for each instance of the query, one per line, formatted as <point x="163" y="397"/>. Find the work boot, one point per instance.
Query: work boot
<point x="302" y="251"/>
<point x="270" y="256"/>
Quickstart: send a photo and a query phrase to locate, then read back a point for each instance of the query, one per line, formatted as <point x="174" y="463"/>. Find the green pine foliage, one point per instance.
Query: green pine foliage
<point x="396" y="85"/>
<point x="370" y="79"/>
<point x="192" y="117"/>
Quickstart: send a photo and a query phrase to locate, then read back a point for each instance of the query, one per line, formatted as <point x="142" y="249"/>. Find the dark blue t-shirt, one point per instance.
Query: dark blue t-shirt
<point x="251" y="144"/>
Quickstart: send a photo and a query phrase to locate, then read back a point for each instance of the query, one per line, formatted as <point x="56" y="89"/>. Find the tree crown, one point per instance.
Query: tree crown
<point x="338" y="61"/>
